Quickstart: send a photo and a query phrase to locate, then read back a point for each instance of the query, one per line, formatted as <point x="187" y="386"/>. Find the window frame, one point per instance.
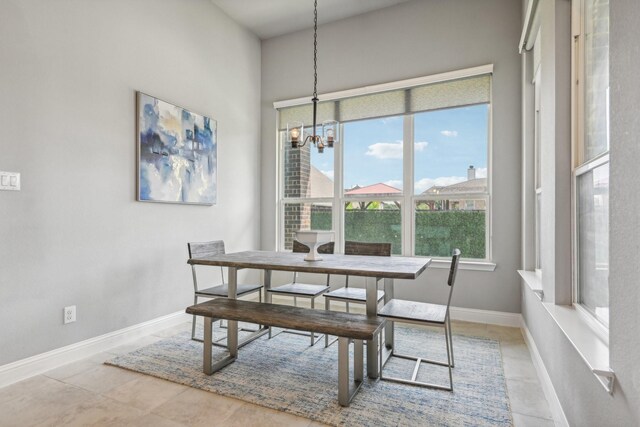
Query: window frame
<point x="537" y="169"/>
<point x="580" y="164"/>
<point x="407" y="199"/>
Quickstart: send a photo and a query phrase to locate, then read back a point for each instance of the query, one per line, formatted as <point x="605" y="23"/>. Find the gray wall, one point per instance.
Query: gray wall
<point x="624" y="251"/>
<point x="583" y="399"/>
<point x="415" y="39"/>
<point x="75" y="234"/>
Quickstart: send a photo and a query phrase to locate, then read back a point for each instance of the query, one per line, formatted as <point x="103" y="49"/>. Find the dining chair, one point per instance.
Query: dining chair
<point x="203" y="249"/>
<point x="297" y="290"/>
<point x="350" y="294"/>
<point x="422" y="313"/>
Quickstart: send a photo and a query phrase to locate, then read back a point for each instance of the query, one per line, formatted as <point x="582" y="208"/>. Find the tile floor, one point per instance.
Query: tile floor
<point x="90" y="393"/>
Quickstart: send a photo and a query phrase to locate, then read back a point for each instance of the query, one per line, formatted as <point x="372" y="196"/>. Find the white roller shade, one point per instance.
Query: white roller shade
<point x="434" y="96"/>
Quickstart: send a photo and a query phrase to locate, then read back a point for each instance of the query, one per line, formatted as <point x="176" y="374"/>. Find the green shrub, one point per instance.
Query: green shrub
<point x="437" y="232"/>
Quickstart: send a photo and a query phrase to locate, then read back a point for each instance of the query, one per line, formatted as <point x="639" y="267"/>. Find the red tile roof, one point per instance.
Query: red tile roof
<point x="379" y="188"/>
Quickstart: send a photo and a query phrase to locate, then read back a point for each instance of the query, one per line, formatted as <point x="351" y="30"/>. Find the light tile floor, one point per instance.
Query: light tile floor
<point x="90" y="393"/>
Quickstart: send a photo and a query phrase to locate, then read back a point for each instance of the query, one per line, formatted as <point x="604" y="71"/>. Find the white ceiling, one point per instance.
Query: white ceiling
<point x="270" y="18"/>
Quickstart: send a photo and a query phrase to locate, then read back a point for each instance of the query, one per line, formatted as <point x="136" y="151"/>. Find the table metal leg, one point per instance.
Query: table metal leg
<point x="266" y="281"/>
<point x="388" y="296"/>
<point x="232" y="330"/>
<point x="372" y="310"/>
<point x="208" y="336"/>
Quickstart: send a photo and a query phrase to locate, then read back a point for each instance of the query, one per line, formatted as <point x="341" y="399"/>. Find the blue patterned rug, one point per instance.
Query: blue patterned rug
<point x="288" y="375"/>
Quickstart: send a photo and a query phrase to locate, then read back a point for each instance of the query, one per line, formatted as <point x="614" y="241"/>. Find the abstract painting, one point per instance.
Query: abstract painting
<point x="177" y="154"/>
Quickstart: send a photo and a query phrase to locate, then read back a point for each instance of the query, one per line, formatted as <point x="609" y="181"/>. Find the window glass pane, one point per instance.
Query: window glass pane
<point x="374" y="221"/>
<point x="451" y="151"/>
<point x="596" y="76"/>
<point x="445" y="224"/>
<point x="538" y="151"/>
<point x="593" y="241"/>
<point x="373" y="157"/>
<point x="305" y="216"/>
<point x="538" y="230"/>
<point x="307" y="173"/>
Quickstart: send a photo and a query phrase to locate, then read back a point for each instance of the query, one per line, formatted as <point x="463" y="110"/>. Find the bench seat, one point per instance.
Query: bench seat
<point x="346" y="326"/>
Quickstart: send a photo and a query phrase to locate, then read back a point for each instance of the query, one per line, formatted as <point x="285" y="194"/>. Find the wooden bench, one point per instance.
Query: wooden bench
<point x="346" y="326"/>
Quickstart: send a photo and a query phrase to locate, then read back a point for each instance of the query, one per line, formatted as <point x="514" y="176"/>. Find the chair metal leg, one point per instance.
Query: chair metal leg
<point x="312" y="334"/>
<point x="446" y="333"/>
<point x="453" y="365"/>
<point x="416" y="368"/>
<point x="193" y="323"/>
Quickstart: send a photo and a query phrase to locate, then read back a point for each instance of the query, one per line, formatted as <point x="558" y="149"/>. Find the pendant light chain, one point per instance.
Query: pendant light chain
<point x="315" y="49"/>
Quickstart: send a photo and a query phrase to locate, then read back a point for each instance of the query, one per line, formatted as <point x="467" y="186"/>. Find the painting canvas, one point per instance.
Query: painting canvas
<point x="177" y="152"/>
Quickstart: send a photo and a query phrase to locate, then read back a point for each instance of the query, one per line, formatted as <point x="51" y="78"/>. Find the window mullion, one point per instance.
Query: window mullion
<point x="338" y="190"/>
<point x="407" y="187"/>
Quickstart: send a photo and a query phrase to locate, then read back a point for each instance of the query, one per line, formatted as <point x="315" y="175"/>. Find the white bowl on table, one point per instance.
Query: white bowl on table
<point x="313" y="239"/>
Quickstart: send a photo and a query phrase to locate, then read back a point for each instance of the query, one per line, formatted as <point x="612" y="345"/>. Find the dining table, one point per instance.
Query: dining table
<point x="386" y="269"/>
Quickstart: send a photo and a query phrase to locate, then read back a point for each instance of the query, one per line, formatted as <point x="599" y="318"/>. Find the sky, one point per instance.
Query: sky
<point x="447" y="142"/>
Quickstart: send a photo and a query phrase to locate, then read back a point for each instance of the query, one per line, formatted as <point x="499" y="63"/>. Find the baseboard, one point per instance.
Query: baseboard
<point x="35" y="365"/>
<point x="486" y="316"/>
<point x="559" y="417"/>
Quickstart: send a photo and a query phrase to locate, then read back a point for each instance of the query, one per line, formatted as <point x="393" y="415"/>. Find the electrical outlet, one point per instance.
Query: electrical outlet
<point x="69" y="314"/>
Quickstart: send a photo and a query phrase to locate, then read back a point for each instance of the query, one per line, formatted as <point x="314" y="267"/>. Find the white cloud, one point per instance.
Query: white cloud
<point x="481" y="172"/>
<point x="420" y="146"/>
<point x="443" y="181"/>
<point x="385" y="150"/>
<point x="449" y="133"/>
<point x="391" y="150"/>
<point x="396" y="183"/>
<point x="328" y="174"/>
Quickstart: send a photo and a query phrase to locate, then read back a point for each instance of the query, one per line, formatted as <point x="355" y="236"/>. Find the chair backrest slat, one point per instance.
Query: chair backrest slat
<point x="203" y="249"/>
<point x="453" y="271"/>
<point x="327" y="248"/>
<point x="366" y="248"/>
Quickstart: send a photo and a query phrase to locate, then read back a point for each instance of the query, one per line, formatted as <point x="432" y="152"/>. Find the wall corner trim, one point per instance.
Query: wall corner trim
<point x="36" y="365"/>
<point x="557" y="412"/>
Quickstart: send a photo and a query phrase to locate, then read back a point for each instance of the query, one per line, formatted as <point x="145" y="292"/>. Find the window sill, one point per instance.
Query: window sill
<point x="464" y="265"/>
<point x="585" y="336"/>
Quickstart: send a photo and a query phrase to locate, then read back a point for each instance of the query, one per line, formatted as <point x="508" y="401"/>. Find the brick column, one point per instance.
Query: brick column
<point x="297" y="216"/>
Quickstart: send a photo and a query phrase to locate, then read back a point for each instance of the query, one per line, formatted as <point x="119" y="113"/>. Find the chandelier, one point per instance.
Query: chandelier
<point x="296" y="134"/>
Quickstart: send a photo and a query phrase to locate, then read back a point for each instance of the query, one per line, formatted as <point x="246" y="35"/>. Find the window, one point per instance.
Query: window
<point x="591" y="153"/>
<point x="411" y="168"/>
<point x="450" y="181"/>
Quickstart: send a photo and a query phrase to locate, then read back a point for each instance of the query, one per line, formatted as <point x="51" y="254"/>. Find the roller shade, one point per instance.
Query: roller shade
<point x="435" y="96"/>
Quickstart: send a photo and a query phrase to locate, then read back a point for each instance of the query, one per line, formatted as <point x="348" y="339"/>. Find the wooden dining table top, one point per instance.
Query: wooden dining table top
<point x="394" y="267"/>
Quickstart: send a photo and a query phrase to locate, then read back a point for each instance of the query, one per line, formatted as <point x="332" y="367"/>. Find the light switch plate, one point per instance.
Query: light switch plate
<point x="9" y="181"/>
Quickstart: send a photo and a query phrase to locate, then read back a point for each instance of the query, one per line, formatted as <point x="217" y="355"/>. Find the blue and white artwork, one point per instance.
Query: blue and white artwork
<point x="177" y="154"/>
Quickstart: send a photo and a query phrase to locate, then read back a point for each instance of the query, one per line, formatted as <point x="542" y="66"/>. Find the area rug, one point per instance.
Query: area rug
<point x="286" y="374"/>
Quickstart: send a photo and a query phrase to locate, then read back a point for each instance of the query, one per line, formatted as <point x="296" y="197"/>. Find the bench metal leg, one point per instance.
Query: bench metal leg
<point x="372" y="311"/>
<point x="208" y="366"/>
<point x="347" y="391"/>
